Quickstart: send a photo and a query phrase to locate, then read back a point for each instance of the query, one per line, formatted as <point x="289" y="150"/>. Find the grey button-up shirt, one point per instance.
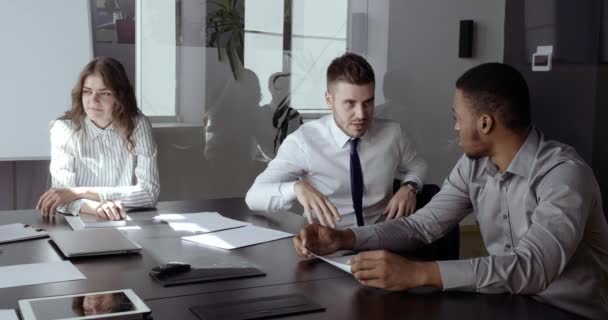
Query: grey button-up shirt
<point x="541" y="220"/>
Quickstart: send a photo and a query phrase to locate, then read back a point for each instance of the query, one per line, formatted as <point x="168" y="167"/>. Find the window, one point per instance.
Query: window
<point x="294" y="38"/>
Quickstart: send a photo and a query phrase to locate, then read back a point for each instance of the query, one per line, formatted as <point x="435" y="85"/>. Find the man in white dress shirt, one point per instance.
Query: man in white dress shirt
<point x="341" y="167"/>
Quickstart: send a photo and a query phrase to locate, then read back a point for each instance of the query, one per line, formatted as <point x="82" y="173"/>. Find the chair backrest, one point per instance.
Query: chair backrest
<point x="426" y="194"/>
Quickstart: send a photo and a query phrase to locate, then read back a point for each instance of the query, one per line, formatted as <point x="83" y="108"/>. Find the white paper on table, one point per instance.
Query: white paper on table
<point x="239" y="237"/>
<point x="38" y="273"/>
<point x="19" y="231"/>
<point x="338" y="259"/>
<point x="9" y="314"/>
<point x="87" y="221"/>
<point x="200" y="222"/>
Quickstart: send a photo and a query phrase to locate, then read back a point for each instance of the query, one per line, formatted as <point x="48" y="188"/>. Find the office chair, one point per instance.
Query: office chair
<point x="444" y="248"/>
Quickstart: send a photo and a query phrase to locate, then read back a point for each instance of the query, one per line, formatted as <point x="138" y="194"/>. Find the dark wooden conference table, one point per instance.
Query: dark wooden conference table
<point x="341" y="295"/>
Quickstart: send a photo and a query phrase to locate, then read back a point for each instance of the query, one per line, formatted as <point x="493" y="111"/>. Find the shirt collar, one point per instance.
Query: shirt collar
<point x="491" y="167"/>
<point x="522" y="163"/>
<point x="341" y="138"/>
<point x="94" y="131"/>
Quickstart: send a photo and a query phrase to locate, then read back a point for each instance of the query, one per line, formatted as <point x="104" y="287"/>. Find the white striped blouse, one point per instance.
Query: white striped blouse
<point x="99" y="158"/>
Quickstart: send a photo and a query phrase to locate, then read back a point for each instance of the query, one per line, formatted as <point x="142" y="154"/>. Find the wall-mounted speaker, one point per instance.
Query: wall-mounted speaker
<point x="465" y="43"/>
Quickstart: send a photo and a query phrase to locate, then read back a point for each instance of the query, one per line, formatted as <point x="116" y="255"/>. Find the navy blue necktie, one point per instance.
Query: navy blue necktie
<point x="356" y="181"/>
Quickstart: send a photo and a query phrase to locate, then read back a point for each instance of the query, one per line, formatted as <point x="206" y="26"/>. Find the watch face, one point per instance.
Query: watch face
<point x="412" y="186"/>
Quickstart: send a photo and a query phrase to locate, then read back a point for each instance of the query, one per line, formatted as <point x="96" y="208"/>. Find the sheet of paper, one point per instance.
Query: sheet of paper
<point x="38" y="273"/>
<point x="339" y="259"/>
<point x="200" y="222"/>
<point x="19" y="231"/>
<point x="239" y="237"/>
<point x="8" y="315"/>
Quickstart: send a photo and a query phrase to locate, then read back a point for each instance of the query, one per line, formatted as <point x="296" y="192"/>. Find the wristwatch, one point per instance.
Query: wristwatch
<point x="413" y="186"/>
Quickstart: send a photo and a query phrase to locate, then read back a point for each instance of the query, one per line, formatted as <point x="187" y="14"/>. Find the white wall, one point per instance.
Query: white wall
<point x="423" y="65"/>
<point x="156" y="57"/>
<point x="44" y="48"/>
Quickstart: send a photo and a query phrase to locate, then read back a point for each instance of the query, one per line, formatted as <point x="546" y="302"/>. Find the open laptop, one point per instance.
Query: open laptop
<point x="93" y="242"/>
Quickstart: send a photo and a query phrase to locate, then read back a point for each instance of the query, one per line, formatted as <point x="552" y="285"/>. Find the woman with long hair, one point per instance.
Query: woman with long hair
<point x="103" y="154"/>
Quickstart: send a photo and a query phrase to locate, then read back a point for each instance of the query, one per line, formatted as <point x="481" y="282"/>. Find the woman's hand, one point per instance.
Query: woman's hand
<point x="55" y="197"/>
<point x="111" y="210"/>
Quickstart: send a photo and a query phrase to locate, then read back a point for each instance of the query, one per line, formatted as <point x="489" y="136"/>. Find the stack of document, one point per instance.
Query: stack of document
<point x="239" y="237"/>
<point x="20" y="231"/>
<point x="200" y="221"/>
<point x="85" y="221"/>
<point x="219" y="231"/>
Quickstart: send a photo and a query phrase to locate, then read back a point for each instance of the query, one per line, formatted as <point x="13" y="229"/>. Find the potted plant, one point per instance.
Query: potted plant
<point x="226" y="28"/>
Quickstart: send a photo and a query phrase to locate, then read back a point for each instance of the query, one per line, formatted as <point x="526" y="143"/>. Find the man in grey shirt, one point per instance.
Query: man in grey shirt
<point x="537" y="202"/>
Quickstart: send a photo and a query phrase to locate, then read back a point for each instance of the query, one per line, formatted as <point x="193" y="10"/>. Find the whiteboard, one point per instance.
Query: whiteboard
<point x="45" y="45"/>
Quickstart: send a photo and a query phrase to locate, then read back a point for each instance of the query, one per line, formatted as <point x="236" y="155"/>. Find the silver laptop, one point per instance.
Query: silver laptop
<point x="93" y="242"/>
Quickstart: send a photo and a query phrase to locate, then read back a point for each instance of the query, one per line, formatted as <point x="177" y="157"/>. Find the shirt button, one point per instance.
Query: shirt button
<point x="504" y="216"/>
<point x="507" y="246"/>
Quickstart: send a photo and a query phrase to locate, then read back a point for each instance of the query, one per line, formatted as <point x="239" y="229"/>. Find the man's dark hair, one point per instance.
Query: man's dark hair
<point x="350" y="68"/>
<point x="499" y="90"/>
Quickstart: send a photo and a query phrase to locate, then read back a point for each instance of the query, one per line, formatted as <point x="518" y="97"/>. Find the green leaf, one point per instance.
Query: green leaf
<point x="294" y="115"/>
<point x="228" y="23"/>
<point x="284" y="129"/>
<point x="231" y="58"/>
<point x="279" y="112"/>
<point x="240" y="47"/>
<point x="276" y="118"/>
<point x="218" y="45"/>
<point x="276" y="140"/>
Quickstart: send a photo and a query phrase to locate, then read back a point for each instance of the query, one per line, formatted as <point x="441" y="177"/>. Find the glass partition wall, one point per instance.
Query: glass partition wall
<point x="225" y="81"/>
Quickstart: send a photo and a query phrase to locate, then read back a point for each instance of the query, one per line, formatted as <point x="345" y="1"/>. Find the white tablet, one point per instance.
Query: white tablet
<point x="94" y="305"/>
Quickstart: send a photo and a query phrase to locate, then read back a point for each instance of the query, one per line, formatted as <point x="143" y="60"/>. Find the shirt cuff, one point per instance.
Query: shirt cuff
<point x="457" y="275"/>
<point x="287" y="191"/>
<point x="413" y="179"/>
<point x="65" y="208"/>
<point x="72" y="207"/>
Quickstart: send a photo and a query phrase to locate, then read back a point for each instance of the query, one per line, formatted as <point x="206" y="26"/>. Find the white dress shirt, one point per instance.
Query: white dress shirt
<point x="99" y="158"/>
<point x="319" y="153"/>
<point x="541" y="220"/>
